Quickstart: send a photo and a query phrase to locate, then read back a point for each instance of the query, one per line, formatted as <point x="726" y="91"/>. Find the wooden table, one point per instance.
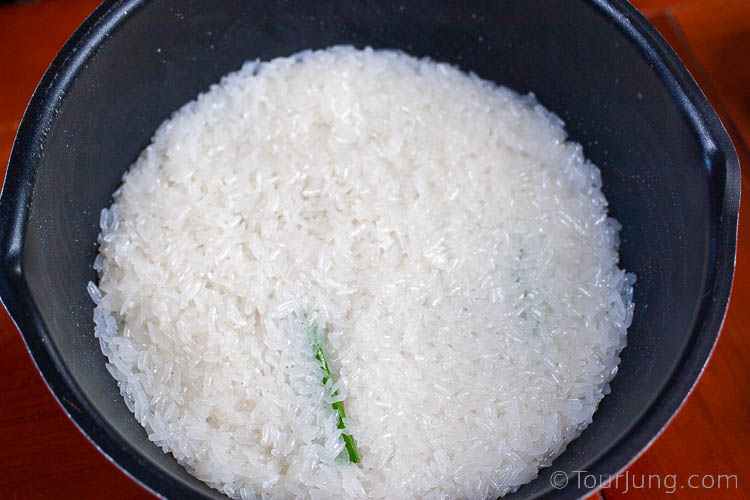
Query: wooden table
<point x="42" y="455"/>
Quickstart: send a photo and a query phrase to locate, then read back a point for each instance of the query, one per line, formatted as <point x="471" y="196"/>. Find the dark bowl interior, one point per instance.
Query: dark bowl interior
<point x="670" y="174"/>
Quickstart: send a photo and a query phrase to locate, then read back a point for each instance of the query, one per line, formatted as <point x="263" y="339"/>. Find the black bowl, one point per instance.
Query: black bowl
<point x="670" y="173"/>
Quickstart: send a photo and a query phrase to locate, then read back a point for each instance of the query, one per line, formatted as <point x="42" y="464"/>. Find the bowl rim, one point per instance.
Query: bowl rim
<point x="15" y="295"/>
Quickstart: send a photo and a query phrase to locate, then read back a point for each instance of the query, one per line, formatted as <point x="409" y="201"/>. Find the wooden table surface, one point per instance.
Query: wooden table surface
<point x="42" y="455"/>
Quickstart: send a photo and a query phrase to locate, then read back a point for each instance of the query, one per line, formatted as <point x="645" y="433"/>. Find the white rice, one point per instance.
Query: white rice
<point x="457" y="248"/>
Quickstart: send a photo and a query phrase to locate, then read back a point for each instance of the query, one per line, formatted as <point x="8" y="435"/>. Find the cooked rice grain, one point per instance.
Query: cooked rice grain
<point x="456" y="246"/>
